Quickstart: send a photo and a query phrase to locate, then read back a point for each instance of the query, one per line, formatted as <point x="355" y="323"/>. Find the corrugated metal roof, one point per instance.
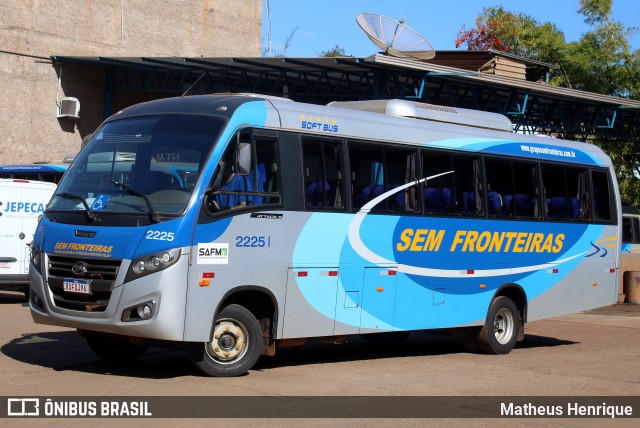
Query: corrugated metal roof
<point x="542" y="88"/>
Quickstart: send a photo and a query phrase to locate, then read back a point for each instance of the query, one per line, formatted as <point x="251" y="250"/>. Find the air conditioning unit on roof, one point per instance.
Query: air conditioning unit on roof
<point x="69" y="107"/>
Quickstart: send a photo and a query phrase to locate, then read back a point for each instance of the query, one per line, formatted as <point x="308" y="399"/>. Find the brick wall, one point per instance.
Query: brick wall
<point x="33" y="30"/>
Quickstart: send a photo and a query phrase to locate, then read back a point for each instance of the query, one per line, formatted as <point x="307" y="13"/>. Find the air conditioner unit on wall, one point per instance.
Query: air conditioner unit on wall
<point x="69" y="107"/>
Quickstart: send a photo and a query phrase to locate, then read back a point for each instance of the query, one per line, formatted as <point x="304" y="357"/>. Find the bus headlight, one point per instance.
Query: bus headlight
<point x="35" y="256"/>
<point x="152" y="263"/>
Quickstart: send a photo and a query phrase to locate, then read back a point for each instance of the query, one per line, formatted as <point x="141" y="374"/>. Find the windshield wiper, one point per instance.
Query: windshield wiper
<point x="152" y="214"/>
<point x="90" y="213"/>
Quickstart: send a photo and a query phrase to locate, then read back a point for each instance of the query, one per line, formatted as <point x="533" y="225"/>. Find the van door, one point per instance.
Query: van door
<point x="21" y="204"/>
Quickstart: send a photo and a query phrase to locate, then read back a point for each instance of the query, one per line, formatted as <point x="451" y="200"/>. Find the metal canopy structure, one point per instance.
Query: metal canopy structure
<point x="531" y="106"/>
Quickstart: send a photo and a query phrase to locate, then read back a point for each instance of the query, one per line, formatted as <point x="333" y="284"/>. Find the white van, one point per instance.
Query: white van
<point x="21" y="204"/>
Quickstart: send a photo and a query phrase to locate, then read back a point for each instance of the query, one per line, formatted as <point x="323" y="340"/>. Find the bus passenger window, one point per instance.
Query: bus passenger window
<point x="376" y="171"/>
<point x="627" y="229"/>
<point x="499" y="175"/>
<point x="401" y="165"/>
<point x="323" y="182"/>
<point x="566" y="193"/>
<point x="601" y="196"/>
<point x="468" y="185"/>
<point x="367" y="175"/>
<point x="438" y="191"/>
<point x="524" y="202"/>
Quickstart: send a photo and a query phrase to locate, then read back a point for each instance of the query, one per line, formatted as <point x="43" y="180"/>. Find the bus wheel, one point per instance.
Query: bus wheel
<point x="235" y="346"/>
<point x="114" y="349"/>
<point x="501" y="329"/>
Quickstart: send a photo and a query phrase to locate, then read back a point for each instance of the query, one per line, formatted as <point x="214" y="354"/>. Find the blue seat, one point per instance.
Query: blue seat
<point x="262" y="179"/>
<point x="468" y="204"/>
<point x="314" y="194"/>
<point x="524" y="205"/>
<point x="494" y="202"/>
<point x="437" y="199"/>
<point x="507" y="200"/>
<point x="560" y="207"/>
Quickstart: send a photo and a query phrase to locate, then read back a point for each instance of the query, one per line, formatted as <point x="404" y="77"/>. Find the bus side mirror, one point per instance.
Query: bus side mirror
<point x="217" y="183"/>
<point x="243" y="158"/>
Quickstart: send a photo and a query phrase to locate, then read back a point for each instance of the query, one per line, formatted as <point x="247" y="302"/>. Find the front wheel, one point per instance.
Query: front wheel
<point x="502" y="327"/>
<point x="235" y="346"/>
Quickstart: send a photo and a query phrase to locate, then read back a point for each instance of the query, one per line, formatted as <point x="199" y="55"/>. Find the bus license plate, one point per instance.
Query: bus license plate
<point x="76" y="286"/>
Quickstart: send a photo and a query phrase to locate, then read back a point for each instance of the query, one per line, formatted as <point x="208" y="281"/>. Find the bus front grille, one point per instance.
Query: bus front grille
<point x="100" y="273"/>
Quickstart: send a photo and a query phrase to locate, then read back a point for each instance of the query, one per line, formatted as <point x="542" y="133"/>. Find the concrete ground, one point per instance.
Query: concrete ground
<point x="594" y="353"/>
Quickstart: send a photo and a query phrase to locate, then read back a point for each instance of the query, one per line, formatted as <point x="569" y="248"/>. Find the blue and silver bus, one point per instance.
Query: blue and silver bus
<point x="237" y="224"/>
<point x="51" y="173"/>
<point x="630" y="255"/>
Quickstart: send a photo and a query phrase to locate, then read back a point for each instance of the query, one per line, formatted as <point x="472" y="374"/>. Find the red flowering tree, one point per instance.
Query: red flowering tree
<point x="486" y="35"/>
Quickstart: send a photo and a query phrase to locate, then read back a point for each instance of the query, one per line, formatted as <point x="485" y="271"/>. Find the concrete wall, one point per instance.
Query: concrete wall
<point x="34" y="30"/>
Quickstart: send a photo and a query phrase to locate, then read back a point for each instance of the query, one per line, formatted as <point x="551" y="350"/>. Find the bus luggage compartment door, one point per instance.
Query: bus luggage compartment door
<point x="378" y="299"/>
<point x="310" y="305"/>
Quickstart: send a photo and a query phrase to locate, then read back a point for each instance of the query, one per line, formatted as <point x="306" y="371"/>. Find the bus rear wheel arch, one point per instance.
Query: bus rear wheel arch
<point x="234" y="347"/>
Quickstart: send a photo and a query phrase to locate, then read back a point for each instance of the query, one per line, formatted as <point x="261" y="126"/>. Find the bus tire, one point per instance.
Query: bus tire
<point x="114" y="349"/>
<point x="501" y="329"/>
<point x="235" y="346"/>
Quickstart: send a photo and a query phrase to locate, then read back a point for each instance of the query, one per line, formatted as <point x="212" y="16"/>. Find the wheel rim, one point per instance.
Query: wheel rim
<point x="503" y="325"/>
<point x="229" y="343"/>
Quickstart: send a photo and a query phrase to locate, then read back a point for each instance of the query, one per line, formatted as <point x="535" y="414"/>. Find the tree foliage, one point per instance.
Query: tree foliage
<point x="281" y="53"/>
<point x="601" y="61"/>
<point x="333" y="52"/>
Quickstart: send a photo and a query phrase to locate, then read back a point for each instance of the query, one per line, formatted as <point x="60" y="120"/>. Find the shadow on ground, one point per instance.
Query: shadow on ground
<point x="68" y="351"/>
<point x="12" y="298"/>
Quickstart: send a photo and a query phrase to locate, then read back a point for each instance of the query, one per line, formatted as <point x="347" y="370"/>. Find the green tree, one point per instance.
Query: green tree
<point x="519" y="34"/>
<point x="333" y="52"/>
<point x="601" y="61"/>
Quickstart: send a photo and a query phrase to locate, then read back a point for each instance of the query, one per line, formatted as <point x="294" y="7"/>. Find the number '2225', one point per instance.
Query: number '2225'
<point x="156" y="235"/>
<point x="253" y="241"/>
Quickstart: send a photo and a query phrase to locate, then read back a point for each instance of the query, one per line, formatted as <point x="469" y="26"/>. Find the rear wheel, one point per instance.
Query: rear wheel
<point x="114" y="349"/>
<point x="502" y="327"/>
<point x="235" y="346"/>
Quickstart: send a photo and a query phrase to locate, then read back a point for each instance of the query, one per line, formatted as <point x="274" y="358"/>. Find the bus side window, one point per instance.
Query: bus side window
<point x="627" y="230"/>
<point x="439" y="192"/>
<point x="499" y="187"/>
<point x="601" y="196"/>
<point x="469" y="191"/>
<point x="401" y="165"/>
<point x="378" y="171"/>
<point x="525" y="201"/>
<point x="323" y="182"/>
<point x="367" y="175"/>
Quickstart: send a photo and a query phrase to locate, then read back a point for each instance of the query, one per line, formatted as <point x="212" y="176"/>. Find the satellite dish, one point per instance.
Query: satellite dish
<point x="394" y="37"/>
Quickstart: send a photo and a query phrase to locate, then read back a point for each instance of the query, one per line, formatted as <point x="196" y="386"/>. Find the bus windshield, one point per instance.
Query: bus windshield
<point x="140" y="165"/>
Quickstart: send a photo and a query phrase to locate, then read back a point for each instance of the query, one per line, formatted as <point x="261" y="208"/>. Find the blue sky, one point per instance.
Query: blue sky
<point x="325" y="24"/>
